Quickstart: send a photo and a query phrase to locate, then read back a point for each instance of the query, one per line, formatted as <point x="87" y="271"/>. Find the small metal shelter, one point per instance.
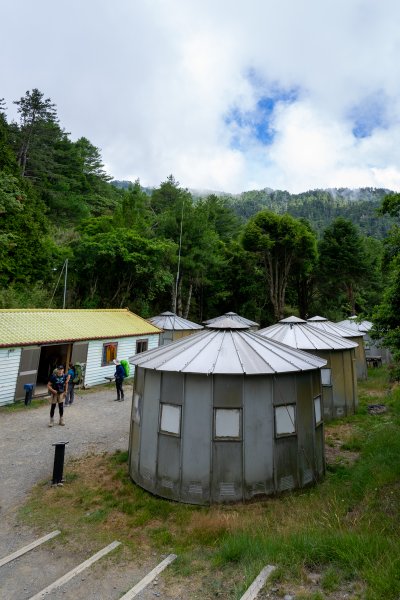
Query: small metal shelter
<point x="350" y="334"/>
<point x="373" y="348"/>
<point x="174" y="327"/>
<point x="339" y="380"/>
<point x="224" y="416"/>
<point x="252" y="325"/>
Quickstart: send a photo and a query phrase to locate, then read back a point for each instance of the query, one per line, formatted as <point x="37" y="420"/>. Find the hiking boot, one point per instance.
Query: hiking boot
<point x="51" y="422"/>
<point x="61" y="421"/>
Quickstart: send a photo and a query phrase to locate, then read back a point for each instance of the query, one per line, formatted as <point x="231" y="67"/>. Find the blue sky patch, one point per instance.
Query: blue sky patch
<point x="368" y="115"/>
<point x="256" y="124"/>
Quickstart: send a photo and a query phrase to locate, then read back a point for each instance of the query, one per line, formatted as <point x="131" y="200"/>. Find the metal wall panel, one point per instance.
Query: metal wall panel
<point x="197" y="439"/>
<point x="9" y="366"/>
<point x="320" y="451"/>
<point x="258" y="436"/>
<point x="172" y="388"/>
<point x="361" y="362"/>
<point x="134" y="447"/>
<point x="149" y="431"/>
<point x="228" y="391"/>
<point x="227" y="472"/>
<point x="306" y="429"/>
<point x="27" y="369"/>
<point x="168" y="468"/>
<point x="286" y="459"/>
<point x="327" y="402"/>
<point x="284" y="389"/>
<point x="339" y="384"/>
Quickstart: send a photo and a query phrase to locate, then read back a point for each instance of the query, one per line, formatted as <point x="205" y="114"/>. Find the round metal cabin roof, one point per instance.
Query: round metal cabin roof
<point x="227" y="351"/>
<point x="352" y="323"/>
<point x="333" y="328"/>
<point x="171" y="322"/>
<point x="233" y="316"/>
<point x="299" y="334"/>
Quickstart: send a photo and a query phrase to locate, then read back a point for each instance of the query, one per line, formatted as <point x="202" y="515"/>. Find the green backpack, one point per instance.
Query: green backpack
<point x="126" y="366"/>
<point x="78" y="373"/>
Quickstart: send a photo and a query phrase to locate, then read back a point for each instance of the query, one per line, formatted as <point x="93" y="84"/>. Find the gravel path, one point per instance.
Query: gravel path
<point x="94" y="423"/>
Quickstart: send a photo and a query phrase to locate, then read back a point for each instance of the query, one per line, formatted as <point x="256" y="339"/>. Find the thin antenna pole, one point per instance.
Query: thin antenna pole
<point x="179" y="260"/>
<point x="65" y="281"/>
<point x="56" y="286"/>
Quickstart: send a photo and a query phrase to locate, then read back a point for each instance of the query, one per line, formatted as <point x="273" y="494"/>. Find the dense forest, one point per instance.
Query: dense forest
<point x="264" y="254"/>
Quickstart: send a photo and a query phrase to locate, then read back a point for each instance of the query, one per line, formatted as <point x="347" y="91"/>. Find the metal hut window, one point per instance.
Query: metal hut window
<point x="170" y="419"/>
<point x="326" y="376"/>
<point x="109" y="353"/>
<point x="136" y="408"/>
<point x="227" y="424"/>
<point x="317" y="410"/>
<point x="285" y="420"/>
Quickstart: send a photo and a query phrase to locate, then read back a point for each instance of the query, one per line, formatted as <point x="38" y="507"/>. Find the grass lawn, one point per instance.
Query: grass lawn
<point x="339" y="537"/>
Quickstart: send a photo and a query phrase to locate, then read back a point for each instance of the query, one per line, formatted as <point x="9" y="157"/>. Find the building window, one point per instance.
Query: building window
<point x="141" y="346"/>
<point x="170" y="420"/>
<point x="109" y="353"/>
<point x="317" y="410"/>
<point x="285" y="420"/>
<point x="227" y="423"/>
<point x="136" y="408"/>
<point x="326" y="376"/>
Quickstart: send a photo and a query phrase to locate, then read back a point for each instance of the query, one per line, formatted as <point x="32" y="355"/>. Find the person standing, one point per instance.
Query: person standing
<point x="69" y="398"/>
<point x="57" y="387"/>
<point x="119" y="380"/>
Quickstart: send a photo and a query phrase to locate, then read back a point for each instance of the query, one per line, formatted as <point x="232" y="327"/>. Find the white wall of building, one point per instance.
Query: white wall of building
<point x="95" y="373"/>
<point x="9" y="367"/>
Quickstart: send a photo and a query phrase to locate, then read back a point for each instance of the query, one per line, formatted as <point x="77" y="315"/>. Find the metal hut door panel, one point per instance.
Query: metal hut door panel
<point x="196" y="451"/>
<point x="149" y="432"/>
<point x="28" y="368"/>
<point x="258" y="435"/>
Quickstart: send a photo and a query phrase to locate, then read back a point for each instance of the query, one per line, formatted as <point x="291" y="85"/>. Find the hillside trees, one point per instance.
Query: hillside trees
<point x="279" y="242"/>
<point x="386" y="317"/>
<point x="118" y="267"/>
<point x="343" y="265"/>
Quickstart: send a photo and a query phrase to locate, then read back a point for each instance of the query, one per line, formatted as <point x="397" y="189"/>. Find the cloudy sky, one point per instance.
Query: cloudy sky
<point x="224" y="95"/>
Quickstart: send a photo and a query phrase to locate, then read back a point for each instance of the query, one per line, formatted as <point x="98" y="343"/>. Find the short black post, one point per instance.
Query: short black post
<point x="58" y="462"/>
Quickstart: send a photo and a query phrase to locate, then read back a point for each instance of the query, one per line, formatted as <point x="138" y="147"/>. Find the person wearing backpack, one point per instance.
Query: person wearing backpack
<point x="119" y="380"/>
<point x="57" y="387"/>
<point x="69" y="398"/>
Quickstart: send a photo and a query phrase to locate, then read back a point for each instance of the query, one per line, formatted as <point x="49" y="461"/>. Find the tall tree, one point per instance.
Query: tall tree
<point x="343" y="263"/>
<point x="35" y="111"/>
<point x="279" y="241"/>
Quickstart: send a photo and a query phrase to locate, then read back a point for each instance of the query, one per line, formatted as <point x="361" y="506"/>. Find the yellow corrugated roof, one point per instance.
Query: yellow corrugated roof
<point x="22" y="327"/>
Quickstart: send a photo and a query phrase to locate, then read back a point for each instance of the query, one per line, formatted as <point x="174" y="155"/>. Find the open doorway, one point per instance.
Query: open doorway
<point x="50" y="357"/>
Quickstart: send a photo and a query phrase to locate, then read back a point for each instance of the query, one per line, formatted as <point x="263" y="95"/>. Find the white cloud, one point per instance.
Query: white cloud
<point x="151" y="84"/>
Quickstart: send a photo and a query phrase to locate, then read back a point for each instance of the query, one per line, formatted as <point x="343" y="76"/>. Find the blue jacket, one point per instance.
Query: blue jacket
<point x="119" y="372"/>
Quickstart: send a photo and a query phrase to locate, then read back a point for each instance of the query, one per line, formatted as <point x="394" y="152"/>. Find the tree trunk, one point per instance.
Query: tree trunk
<point x="189" y="299"/>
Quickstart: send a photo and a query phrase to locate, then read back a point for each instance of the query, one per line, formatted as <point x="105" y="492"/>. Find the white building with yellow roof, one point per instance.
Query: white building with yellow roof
<point x="34" y="341"/>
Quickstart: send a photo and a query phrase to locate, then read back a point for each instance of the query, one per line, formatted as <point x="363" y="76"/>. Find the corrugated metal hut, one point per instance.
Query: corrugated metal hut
<point x="174" y="327"/>
<point x="34" y="341"/>
<point x="339" y="378"/>
<point x="373" y="348"/>
<point x="350" y="334"/>
<point x="226" y="415"/>
<point x="251" y="325"/>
